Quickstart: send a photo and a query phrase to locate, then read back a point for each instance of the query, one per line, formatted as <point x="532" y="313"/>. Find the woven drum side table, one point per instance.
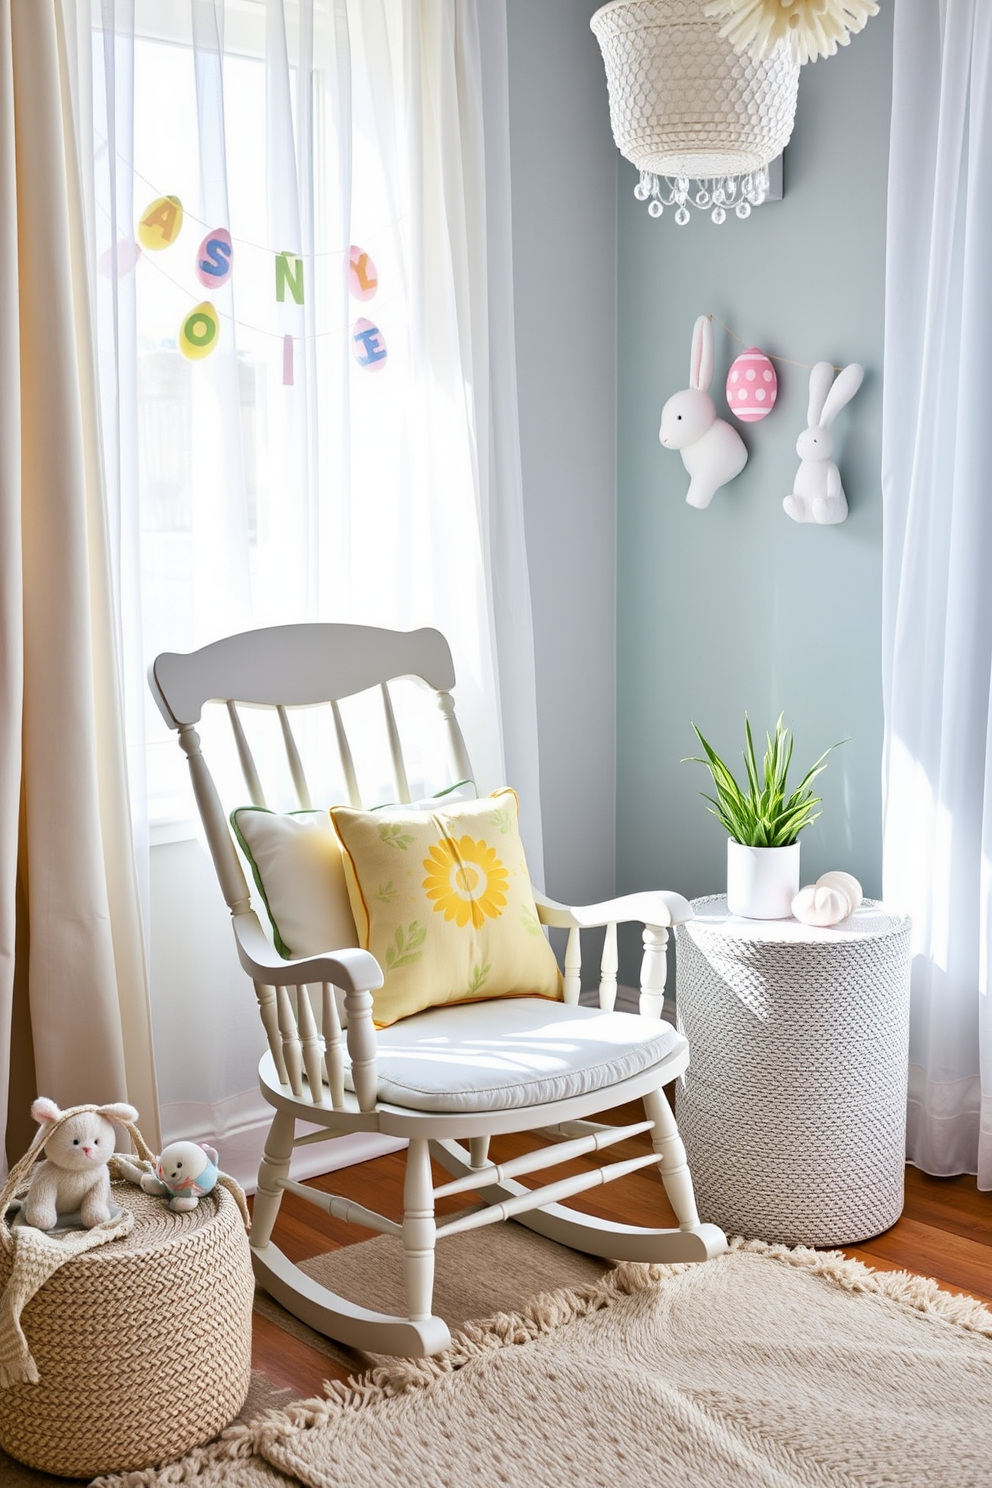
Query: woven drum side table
<point x="793" y="1108"/>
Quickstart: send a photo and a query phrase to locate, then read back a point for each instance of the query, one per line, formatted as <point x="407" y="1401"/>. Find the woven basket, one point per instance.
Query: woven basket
<point x="682" y="102"/>
<point x="793" y="1108"/>
<point x="143" y="1345"/>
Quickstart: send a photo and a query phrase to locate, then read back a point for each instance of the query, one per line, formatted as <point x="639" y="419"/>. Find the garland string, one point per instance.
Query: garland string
<point x="789" y="361"/>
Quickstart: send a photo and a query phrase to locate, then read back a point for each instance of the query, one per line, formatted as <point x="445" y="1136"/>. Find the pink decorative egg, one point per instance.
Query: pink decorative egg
<point x="752" y="386"/>
<point x="363" y="280"/>
<point x="368" y="345"/>
<point x="214" y="257"/>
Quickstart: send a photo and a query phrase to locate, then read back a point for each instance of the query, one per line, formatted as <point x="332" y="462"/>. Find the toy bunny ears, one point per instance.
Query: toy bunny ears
<point x="45" y="1111"/>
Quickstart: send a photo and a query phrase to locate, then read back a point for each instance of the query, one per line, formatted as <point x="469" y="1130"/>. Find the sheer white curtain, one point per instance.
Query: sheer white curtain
<point x="294" y="472"/>
<point x="937" y="597"/>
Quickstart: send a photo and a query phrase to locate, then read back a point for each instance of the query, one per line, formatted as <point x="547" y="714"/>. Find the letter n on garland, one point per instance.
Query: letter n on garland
<point x="289" y="273"/>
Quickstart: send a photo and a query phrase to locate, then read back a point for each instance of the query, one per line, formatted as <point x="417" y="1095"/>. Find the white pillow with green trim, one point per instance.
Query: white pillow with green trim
<point x="295" y="860"/>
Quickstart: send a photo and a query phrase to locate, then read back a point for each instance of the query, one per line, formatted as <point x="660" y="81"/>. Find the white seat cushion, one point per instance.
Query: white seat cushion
<point x="513" y="1052"/>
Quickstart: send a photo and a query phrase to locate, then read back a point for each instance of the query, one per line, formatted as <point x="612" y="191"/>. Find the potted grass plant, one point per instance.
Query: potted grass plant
<point x="763" y="818"/>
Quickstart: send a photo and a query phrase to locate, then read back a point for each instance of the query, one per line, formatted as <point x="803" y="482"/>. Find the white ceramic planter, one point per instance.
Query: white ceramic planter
<point x="762" y="881"/>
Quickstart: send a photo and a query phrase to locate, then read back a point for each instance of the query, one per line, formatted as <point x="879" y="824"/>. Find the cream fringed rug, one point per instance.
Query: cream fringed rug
<point x="768" y="1368"/>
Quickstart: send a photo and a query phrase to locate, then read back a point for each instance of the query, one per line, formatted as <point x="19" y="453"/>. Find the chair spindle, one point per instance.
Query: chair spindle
<point x="291" y="1051"/>
<point x="608" y="967"/>
<point x="395" y="747"/>
<point x="269" y="1013"/>
<point x="573" y="966"/>
<point x="333" y="1061"/>
<point x="276" y="1157"/>
<point x="362" y="1048"/>
<point x="294" y="761"/>
<point x="654" y="971"/>
<point x="252" y="782"/>
<point x="233" y="883"/>
<point x="311" y="1044"/>
<point x="419" y="1230"/>
<point x="458" y="759"/>
<point x="347" y="762"/>
<point x="672" y="1160"/>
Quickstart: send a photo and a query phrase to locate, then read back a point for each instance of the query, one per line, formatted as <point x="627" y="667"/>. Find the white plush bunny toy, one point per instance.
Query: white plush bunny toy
<point x="817" y="495"/>
<point x="712" y="452"/>
<point x="74" y="1176"/>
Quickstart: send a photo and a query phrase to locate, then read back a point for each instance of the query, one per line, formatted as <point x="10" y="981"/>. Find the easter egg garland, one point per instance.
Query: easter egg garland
<point x="160" y="225"/>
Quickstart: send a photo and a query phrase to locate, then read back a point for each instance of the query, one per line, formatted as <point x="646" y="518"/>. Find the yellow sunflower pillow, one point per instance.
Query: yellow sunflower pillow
<point x="443" y="901"/>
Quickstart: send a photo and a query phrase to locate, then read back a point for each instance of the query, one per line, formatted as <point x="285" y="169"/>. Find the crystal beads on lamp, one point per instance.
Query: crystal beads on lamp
<point x="716" y="194"/>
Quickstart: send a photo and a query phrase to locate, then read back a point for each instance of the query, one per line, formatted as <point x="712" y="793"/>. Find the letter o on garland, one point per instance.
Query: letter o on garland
<point x="199" y="333"/>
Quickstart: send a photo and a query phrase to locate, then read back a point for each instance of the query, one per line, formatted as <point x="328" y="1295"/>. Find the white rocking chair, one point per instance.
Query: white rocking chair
<point x="311" y="1075"/>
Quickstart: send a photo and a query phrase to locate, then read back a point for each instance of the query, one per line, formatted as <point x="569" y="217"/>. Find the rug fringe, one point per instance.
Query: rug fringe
<point x="918" y="1293"/>
<point x="545" y="1314"/>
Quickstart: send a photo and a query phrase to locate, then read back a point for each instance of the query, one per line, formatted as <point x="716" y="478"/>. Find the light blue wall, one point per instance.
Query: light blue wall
<point x="648" y="613"/>
<point x="737" y="607"/>
<point x="564" y="173"/>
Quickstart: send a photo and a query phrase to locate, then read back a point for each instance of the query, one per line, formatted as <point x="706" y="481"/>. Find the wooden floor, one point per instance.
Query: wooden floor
<point x="945" y="1232"/>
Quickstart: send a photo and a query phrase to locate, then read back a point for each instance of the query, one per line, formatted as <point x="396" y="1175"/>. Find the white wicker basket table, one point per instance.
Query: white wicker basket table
<point x="793" y="1108"/>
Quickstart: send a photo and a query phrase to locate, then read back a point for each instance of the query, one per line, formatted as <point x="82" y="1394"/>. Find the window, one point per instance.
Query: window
<point x="319" y="461"/>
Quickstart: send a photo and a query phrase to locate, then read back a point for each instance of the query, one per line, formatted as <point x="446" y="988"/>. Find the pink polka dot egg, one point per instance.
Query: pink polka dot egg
<point x="752" y="386"/>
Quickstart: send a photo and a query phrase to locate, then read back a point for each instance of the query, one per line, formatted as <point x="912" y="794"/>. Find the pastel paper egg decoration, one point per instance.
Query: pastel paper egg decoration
<point x="214" y="258"/>
<point x="752" y="386"/>
<point x="199" y="332"/>
<point x="161" y="223"/>
<point x="363" y="280"/>
<point x="368" y="345"/>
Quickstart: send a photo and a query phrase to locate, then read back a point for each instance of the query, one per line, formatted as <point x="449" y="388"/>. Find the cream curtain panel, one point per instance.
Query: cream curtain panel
<point x="74" y="1010"/>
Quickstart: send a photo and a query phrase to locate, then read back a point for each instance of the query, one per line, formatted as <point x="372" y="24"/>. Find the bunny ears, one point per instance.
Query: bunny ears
<point x="826" y="397"/>
<point x="701" y="360"/>
<point x="47" y="1112"/>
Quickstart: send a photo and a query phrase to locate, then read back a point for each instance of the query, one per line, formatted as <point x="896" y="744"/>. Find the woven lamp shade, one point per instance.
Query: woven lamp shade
<point x="682" y="102"/>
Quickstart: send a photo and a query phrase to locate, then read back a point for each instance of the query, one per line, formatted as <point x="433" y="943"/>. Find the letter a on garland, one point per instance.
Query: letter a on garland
<point x="161" y="223"/>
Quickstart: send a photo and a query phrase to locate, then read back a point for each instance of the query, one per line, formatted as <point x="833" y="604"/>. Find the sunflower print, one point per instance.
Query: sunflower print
<point x="466" y="880"/>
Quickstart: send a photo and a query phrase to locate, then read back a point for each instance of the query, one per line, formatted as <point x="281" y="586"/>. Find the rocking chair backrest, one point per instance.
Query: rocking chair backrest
<point x="302" y="682"/>
<point x="298" y="666"/>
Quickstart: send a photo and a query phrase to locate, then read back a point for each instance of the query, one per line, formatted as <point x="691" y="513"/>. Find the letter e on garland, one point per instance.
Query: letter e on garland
<point x="368" y="345"/>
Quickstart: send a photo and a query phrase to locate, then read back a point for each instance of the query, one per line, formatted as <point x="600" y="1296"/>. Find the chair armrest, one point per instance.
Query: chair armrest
<point x="352" y="969"/>
<point x="652" y="907"/>
<point x="655" y="909"/>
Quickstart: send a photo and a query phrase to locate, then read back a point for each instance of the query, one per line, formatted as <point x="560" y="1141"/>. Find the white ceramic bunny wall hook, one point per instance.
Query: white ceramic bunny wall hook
<point x="817" y="494"/>
<point x="712" y="451"/>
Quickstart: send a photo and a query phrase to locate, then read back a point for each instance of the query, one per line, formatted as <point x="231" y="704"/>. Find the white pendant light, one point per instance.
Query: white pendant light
<point x="700" y="121"/>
